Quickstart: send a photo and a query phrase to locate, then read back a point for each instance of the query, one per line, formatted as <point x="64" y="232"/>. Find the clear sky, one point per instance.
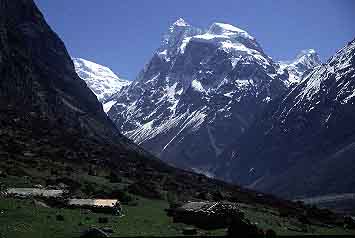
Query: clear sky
<point x="123" y="34"/>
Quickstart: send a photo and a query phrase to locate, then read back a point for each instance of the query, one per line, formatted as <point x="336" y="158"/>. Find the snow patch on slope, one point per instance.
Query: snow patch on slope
<point x="107" y="106"/>
<point x="197" y="86"/>
<point x="213" y="141"/>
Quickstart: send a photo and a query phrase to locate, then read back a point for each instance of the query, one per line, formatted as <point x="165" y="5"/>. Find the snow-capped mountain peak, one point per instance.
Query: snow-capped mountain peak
<point x="228" y="30"/>
<point x="93" y="68"/>
<point x="180" y="22"/>
<point x="227" y="37"/>
<point x="308" y="57"/>
<point x="102" y="81"/>
<point x="305" y="61"/>
<point x="237" y="43"/>
<point x="198" y="87"/>
<point x="178" y="32"/>
<point x="306" y="52"/>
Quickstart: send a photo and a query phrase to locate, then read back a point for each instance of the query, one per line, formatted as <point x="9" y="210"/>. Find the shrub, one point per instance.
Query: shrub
<point x="270" y="233"/>
<point x="304" y="220"/>
<point x="124" y="197"/>
<point x="103" y="220"/>
<point x="190" y="231"/>
<point x="59" y="217"/>
<point x="242" y="228"/>
<point x="145" y="189"/>
<point x="172" y="200"/>
<point x="115" y="178"/>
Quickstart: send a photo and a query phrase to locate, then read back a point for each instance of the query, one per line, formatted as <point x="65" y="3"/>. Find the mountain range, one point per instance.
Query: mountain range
<point x="213" y="102"/>
<point x="305" y="138"/>
<point x="54" y="130"/>
<point x="202" y="95"/>
<point x="210" y="101"/>
<point x="200" y="91"/>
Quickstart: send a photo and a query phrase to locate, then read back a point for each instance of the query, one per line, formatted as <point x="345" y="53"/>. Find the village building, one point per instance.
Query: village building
<point x="111" y="206"/>
<point x="35" y="192"/>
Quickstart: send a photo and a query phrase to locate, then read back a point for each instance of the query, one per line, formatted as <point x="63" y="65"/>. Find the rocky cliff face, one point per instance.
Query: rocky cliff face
<point x="200" y="90"/>
<point x="303" y="144"/>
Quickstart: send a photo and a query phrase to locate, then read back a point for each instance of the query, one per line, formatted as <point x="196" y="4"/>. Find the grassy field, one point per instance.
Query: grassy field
<point x="287" y="226"/>
<point x="22" y="218"/>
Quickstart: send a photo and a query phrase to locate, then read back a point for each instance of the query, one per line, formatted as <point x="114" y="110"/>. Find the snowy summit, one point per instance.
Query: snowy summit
<point x="100" y="79"/>
<point x="228" y="30"/>
<point x="306" y="60"/>
<point x="180" y="22"/>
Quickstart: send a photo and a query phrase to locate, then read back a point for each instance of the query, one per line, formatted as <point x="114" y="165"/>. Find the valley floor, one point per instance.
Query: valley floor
<point x="24" y="218"/>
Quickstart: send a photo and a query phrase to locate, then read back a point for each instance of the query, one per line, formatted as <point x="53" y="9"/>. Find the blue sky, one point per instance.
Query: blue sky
<point x="123" y="34"/>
